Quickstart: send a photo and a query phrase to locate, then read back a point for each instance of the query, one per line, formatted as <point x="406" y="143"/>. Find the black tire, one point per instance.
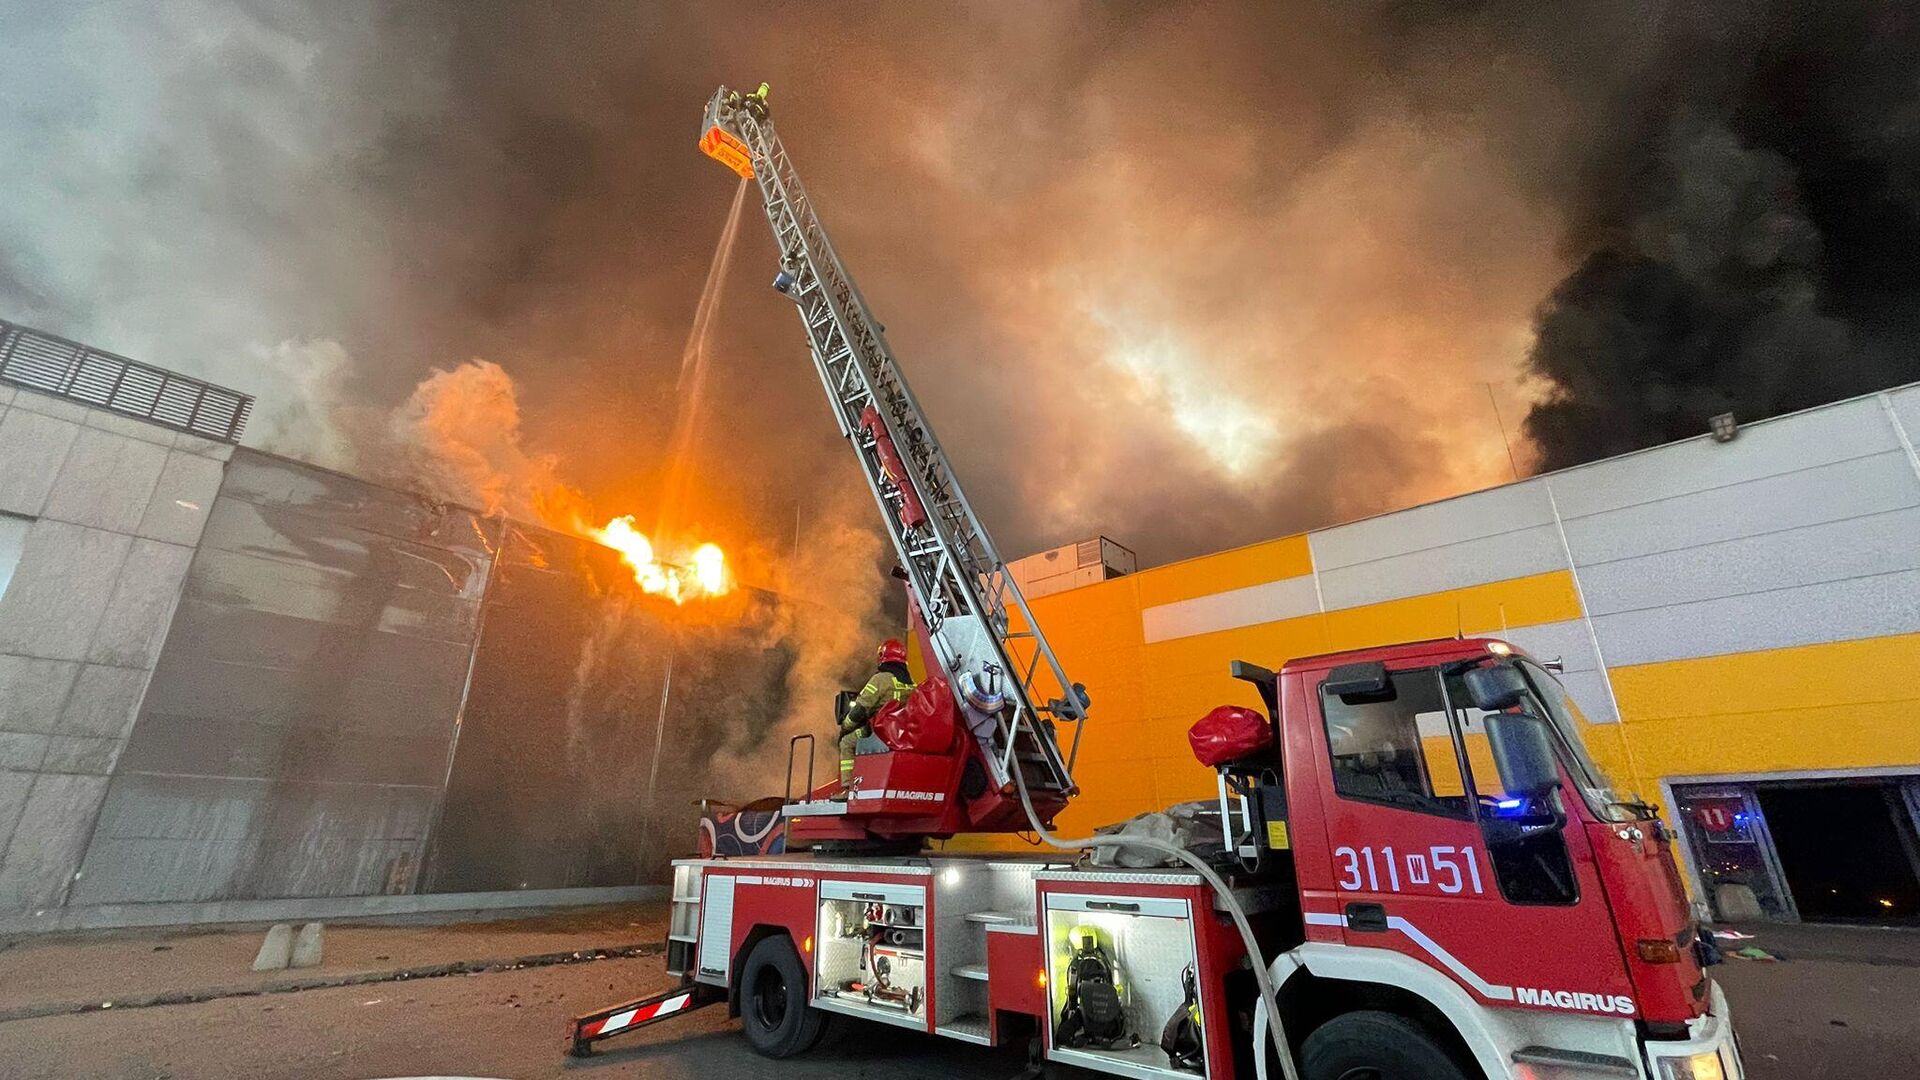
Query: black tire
<point x="773" y="1001"/>
<point x="1375" y="1046"/>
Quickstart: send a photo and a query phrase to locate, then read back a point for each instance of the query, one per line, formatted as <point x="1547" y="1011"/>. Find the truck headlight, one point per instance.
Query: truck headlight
<point x="1697" y="1067"/>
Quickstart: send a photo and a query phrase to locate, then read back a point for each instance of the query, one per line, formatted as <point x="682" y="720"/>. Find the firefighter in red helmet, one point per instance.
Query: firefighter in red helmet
<point x="890" y="683"/>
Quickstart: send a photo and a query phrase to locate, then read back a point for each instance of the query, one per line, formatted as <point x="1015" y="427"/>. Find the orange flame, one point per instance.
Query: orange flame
<point x="705" y="575"/>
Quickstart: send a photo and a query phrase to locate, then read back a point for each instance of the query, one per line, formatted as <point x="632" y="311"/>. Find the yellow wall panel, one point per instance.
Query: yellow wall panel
<point x="1836" y="705"/>
<point x="1478" y="609"/>
<point x="1868" y="670"/>
<point x="1255" y="564"/>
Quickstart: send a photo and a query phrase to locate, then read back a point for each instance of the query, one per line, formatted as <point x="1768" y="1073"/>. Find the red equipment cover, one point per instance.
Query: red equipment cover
<point x="912" y="513"/>
<point x="925" y="724"/>
<point x="1229" y="733"/>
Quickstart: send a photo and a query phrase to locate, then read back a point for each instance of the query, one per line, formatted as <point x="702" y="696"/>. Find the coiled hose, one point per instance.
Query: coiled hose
<point x="1268" y="995"/>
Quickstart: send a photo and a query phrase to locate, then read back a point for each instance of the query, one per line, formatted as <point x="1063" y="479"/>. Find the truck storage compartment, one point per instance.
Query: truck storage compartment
<point x="1115" y="977"/>
<point x="683" y="925"/>
<point x="872" y="952"/>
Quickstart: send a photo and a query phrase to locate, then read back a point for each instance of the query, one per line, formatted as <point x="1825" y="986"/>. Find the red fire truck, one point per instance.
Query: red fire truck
<point x="1414" y="870"/>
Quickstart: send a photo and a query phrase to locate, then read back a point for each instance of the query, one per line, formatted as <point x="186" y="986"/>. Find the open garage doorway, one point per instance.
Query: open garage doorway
<point x="1848" y="850"/>
<point x="1804" y="848"/>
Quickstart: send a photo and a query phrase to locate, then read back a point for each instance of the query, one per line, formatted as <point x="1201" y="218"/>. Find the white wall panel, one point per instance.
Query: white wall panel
<point x="1469" y="517"/>
<point x="1837" y="550"/>
<point x="1806" y="615"/>
<point x="1533" y="550"/>
<point x="1267" y="602"/>
<point x="1832" y="492"/>
<point x="1851" y="429"/>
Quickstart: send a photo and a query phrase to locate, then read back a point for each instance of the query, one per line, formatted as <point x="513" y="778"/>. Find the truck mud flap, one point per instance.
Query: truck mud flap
<point x="619" y="1019"/>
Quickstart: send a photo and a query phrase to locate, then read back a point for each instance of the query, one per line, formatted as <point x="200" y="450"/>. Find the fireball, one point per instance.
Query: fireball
<point x="703" y="574"/>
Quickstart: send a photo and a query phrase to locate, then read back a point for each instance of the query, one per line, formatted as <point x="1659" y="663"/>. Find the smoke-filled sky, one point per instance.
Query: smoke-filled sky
<point x="1187" y="276"/>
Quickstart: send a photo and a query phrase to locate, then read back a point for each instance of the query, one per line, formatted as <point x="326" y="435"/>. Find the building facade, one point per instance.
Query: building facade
<point x="1739" y="620"/>
<point x="236" y="686"/>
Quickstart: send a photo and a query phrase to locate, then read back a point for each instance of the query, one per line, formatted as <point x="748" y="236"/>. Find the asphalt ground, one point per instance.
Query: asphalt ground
<point x="1798" y="1019"/>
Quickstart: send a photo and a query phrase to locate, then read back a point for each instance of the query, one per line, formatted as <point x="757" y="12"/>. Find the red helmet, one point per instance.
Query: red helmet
<point x="892" y="652"/>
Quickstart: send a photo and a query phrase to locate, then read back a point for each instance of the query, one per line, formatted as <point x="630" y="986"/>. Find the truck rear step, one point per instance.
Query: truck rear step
<point x="628" y="1015"/>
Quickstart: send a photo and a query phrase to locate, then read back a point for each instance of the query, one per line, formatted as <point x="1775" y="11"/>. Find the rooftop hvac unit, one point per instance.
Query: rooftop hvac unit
<point x="1071" y="566"/>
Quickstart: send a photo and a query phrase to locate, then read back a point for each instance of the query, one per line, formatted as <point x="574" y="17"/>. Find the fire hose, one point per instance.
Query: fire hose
<point x="1268" y="995"/>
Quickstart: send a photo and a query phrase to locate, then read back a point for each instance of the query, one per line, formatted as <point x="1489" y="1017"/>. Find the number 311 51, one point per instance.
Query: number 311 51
<point x="1452" y="870"/>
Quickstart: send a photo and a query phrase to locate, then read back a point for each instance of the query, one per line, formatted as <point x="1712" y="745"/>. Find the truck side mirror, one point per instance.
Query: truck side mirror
<point x="1495" y="687"/>
<point x="1523" y="754"/>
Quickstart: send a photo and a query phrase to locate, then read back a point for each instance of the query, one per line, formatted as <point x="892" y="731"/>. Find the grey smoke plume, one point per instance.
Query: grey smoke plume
<point x="1187" y="275"/>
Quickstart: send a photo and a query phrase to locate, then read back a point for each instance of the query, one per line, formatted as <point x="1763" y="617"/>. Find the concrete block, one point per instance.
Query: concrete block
<point x="82" y="754"/>
<point x="207" y="448"/>
<point x="48" y="405"/>
<point x="276" y="949"/>
<point x="307" y="946"/>
<point x="60" y="588"/>
<point x="33" y="691"/>
<point x="33" y="447"/>
<point x="106" y="481"/>
<point x="48" y="840"/>
<point x="22" y="750"/>
<point x="181" y="499"/>
<point x="131" y="426"/>
<point x="14" y="787"/>
<point x="134" y="622"/>
<point x="103" y="702"/>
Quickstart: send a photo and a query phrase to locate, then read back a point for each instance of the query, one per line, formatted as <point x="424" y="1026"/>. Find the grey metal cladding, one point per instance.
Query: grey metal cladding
<point x="1802" y="615"/>
<point x="1469" y="517"/>
<point x="296" y="728"/>
<point x="1861" y="547"/>
<point x="1906" y="406"/>
<point x="1851" y="429"/>
<point x="1831" y="492"/>
<point x="1589" y="690"/>
<point x="1567" y="641"/>
<point x="1570" y="643"/>
<point x="1477" y="561"/>
<point x="329" y="545"/>
<point x="279" y="484"/>
<point x="398" y="597"/>
<point x="1266" y="602"/>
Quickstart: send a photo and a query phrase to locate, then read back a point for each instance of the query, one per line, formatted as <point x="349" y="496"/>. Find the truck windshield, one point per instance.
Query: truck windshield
<point x="1569" y="724"/>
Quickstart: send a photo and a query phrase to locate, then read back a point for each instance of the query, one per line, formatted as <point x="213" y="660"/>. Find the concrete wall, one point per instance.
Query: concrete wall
<point x="1721" y="608"/>
<point x="110" y="508"/>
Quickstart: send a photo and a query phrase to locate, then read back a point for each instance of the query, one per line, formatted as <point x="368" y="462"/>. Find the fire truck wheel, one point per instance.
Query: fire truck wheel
<point x="1375" y="1046"/>
<point x="773" y="1001"/>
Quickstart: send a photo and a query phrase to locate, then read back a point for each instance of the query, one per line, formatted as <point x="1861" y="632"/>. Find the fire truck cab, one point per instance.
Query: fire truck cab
<point x="1444" y="882"/>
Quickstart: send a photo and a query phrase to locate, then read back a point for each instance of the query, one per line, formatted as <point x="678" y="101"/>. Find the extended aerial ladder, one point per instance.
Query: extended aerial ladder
<point x="977" y="624"/>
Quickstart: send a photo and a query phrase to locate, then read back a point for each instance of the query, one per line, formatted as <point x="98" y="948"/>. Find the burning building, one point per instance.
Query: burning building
<point x="234" y="685"/>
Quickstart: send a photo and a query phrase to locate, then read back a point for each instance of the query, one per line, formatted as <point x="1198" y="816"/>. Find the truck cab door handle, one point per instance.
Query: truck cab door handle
<point x="1367" y="918"/>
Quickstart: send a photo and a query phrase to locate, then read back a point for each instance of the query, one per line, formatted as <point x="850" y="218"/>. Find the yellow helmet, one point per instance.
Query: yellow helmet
<point x="1084" y="937"/>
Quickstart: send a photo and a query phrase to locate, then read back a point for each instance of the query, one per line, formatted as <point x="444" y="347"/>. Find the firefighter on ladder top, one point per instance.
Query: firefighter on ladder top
<point x="891" y="685"/>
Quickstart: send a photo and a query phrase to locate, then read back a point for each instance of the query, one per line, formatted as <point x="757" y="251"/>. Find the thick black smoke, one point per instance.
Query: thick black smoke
<point x="1746" y="225"/>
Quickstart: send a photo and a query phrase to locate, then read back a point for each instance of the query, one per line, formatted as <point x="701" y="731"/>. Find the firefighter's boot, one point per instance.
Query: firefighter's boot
<point x="846" y="780"/>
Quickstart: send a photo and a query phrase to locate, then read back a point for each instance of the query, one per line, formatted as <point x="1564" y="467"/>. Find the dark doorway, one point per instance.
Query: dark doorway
<point x="1847" y="850"/>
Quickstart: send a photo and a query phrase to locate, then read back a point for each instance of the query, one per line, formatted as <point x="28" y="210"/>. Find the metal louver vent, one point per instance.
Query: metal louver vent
<point x="55" y="365"/>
